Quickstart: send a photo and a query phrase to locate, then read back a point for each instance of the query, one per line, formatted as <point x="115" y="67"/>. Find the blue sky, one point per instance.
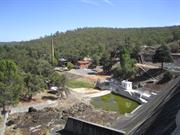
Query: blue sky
<point x="29" y="19"/>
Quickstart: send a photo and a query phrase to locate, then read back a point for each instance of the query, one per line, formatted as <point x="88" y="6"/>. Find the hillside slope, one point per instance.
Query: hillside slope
<point x="93" y="42"/>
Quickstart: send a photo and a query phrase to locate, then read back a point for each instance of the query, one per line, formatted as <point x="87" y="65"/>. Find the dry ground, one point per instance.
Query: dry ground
<point x="48" y="120"/>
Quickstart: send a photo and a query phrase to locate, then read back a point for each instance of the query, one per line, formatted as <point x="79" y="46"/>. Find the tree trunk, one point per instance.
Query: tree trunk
<point x="4" y="109"/>
<point x="30" y="97"/>
<point x="162" y="65"/>
<point x="4" y="122"/>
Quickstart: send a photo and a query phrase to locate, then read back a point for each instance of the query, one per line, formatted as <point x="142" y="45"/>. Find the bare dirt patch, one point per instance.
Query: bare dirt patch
<point x="49" y="120"/>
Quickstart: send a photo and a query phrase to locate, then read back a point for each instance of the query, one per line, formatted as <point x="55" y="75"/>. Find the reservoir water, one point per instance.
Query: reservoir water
<point x="113" y="102"/>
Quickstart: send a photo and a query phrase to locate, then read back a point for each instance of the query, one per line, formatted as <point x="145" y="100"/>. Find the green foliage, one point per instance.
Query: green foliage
<point x="135" y="52"/>
<point x="10" y="83"/>
<point x="58" y="80"/>
<point x="33" y="84"/>
<point x="107" y="62"/>
<point x="70" y="65"/>
<point x="175" y="47"/>
<point x="127" y="65"/>
<point x="176" y="34"/>
<point x="43" y="68"/>
<point x="166" y="77"/>
<point x="93" y="42"/>
<point x="34" y="57"/>
<point x="96" y="60"/>
<point x="55" y="62"/>
<point x="38" y="67"/>
<point x="79" y="84"/>
<point x="162" y="55"/>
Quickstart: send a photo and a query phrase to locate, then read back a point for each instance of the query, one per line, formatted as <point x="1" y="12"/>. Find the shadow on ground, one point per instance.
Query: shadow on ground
<point x="49" y="98"/>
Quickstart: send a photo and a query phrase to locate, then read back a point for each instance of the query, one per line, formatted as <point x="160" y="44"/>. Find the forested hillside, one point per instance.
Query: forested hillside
<point x="33" y="58"/>
<point x="93" y="42"/>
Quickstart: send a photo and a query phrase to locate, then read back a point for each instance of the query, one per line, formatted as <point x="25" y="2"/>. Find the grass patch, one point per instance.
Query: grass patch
<point x="80" y="84"/>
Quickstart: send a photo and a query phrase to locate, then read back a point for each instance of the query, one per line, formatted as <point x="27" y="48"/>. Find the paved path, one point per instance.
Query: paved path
<point x="38" y="106"/>
<point x="148" y="66"/>
<point x="99" y="94"/>
<point x="88" y="73"/>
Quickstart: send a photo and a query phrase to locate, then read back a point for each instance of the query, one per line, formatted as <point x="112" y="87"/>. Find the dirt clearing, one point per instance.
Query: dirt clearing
<point x="49" y="120"/>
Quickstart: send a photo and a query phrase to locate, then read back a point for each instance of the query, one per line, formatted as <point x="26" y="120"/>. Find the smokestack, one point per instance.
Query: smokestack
<point x="52" y="51"/>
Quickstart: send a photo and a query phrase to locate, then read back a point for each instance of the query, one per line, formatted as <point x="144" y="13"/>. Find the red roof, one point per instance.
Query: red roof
<point x="83" y="62"/>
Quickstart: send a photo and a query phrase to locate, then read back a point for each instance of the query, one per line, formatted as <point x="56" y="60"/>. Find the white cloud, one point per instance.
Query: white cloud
<point x="97" y="2"/>
<point x="92" y="2"/>
<point x="108" y="2"/>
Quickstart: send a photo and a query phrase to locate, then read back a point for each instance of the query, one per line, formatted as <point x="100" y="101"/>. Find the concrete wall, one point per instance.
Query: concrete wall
<point x="76" y="126"/>
<point x="136" y="123"/>
<point x="134" y="96"/>
<point x="117" y="89"/>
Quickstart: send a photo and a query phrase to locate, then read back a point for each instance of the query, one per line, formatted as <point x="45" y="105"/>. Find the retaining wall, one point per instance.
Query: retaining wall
<point x="76" y="126"/>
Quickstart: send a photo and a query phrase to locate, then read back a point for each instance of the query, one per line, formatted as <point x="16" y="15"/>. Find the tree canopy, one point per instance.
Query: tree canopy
<point x="127" y="68"/>
<point x="162" y="55"/>
<point x="101" y="44"/>
<point x="59" y="81"/>
<point x="93" y="42"/>
<point x="10" y="83"/>
<point x="33" y="84"/>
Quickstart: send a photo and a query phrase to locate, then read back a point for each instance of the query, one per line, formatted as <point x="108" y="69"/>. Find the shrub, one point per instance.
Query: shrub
<point x="166" y="78"/>
<point x="70" y="65"/>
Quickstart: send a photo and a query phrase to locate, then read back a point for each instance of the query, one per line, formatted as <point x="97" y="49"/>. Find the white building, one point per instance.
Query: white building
<point x="126" y="85"/>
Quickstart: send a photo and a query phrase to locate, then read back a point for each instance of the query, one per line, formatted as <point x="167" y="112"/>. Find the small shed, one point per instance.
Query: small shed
<point x="62" y="62"/>
<point x="126" y="84"/>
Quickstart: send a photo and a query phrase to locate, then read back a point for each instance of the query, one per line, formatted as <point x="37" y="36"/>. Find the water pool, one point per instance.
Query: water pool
<point x="113" y="102"/>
